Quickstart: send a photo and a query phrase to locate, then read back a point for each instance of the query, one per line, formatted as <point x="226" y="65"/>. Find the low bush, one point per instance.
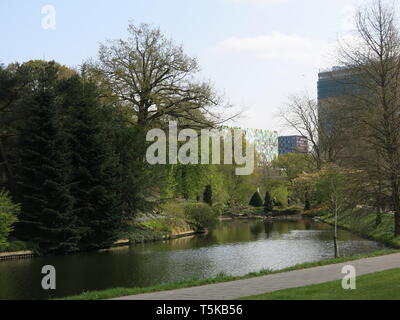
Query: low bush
<point x="201" y="216"/>
<point x="174" y="209"/>
<point x="137" y="233"/>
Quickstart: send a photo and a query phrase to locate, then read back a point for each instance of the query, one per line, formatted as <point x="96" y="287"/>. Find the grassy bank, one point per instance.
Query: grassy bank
<point x="375" y="286"/>
<point x="363" y="223"/>
<point x="119" y="292"/>
<point x="174" y="218"/>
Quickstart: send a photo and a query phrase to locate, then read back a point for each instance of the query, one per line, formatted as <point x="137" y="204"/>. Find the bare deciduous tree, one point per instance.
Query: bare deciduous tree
<point x="153" y="76"/>
<point x="375" y="62"/>
<point x="321" y="126"/>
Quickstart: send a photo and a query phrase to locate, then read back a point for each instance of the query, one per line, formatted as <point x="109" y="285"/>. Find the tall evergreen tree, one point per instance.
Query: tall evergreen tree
<point x="207" y="196"/>
<point x="47" y="216"/>
<point x="95" y="178"/>
<point x="268" y="205"/>
<point x="256" y="200"/>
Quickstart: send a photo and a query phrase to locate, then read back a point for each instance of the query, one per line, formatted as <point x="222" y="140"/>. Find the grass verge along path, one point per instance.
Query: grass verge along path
<point x="383" y="285"/>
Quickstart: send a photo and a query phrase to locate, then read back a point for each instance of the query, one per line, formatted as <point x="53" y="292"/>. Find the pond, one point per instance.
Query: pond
<point x="234" y="247"/>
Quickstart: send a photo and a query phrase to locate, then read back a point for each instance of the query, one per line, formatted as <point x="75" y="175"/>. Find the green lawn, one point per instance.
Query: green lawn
<point x="375" y="286"/>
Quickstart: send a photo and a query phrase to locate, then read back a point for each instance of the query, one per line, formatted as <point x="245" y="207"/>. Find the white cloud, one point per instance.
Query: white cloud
<point x="277" y="46"/>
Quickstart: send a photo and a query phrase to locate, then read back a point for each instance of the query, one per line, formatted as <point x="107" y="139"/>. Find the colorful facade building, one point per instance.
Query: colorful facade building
<point x="265" y="143"/>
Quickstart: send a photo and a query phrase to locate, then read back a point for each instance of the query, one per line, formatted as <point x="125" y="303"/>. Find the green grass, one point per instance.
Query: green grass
<point x="120" y="292"/>
<point x="375" y="286"/>
<point x="362" y="222"/>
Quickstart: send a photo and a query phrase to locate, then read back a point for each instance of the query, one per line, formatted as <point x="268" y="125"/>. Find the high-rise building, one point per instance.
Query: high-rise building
<point x="337" y="89"/>
<point x="292" y="144"/>
<point x="336" y="82"/>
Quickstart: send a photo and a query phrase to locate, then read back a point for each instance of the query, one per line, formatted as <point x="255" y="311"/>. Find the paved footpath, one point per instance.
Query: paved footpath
<point x="273" y="282"/>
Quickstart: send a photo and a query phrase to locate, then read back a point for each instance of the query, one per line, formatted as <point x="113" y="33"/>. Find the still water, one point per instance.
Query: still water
<point x="234" y="247"/>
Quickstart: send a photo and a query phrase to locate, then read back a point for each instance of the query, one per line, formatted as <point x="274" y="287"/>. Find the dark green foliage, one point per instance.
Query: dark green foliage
<point x="256" y="200"/>
<point x="136" y="176"/>
<point x="268" y="205"/>
<point x="69" y="178"/>
<point x="207" y="195"/>
<point x="307" y="205"/>
<point x="47" y="216"/>
<point x="94" y="179"/>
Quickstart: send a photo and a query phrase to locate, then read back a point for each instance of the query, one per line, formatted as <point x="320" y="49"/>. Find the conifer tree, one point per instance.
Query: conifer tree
<point x="268" y="205"/>
<point x="95" y="185"/>
<point x="256" y="200"/>
<point x="207" y="196"/>
<point x="47" y="216"/>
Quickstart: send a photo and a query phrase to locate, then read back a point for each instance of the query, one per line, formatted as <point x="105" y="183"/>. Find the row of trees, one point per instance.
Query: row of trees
<point x="72" y="142"/>
<point x="355" y="137"/>
<point x="62" y="167"/>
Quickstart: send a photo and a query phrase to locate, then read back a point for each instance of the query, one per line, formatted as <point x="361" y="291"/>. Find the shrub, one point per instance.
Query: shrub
<point x="256" y="200"/>
<point x="280" y="195"/>
<point x="201" y="215"/>
<point x="219" y="209"/>
<point x="8" y="216"/>
<point x="173" y="209"/>
<point x="172" y="219"/>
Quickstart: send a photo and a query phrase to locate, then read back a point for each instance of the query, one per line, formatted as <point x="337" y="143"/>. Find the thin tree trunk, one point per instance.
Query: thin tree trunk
<point x="335" y="237"/>
<point x="378" y="219"/>
<point x="396" y="206"/>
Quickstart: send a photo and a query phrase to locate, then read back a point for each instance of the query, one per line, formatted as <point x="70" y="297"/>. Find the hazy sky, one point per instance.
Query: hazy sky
<point x="255" y="51"/>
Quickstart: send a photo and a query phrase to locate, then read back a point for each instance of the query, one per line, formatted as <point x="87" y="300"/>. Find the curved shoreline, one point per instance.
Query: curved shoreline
<point x="29" y="254"/>
<point x="361" y="234"/>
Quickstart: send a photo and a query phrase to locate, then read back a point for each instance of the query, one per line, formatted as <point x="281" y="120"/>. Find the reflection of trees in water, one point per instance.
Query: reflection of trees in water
<point x="308" y="224"/>
<point x="154" y="263"/>
<point x="257" y="228"/>
<point x="235" y="231"/>
<point x="284" y="226"/>
<point x="268" y="228"/>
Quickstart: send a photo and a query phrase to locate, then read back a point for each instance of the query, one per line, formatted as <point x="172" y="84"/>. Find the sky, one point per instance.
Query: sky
<point x="256" y="52"/>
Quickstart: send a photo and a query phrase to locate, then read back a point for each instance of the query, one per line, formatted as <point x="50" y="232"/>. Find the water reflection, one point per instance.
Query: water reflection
<point x="234" y="247"/>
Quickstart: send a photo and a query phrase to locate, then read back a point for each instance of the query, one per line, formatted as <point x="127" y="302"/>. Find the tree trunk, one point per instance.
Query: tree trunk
<point x="378" y="219"/>
<point x="396" y="206"/>
<point x="335" y="238"/>
<point x="335" y="246"/>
